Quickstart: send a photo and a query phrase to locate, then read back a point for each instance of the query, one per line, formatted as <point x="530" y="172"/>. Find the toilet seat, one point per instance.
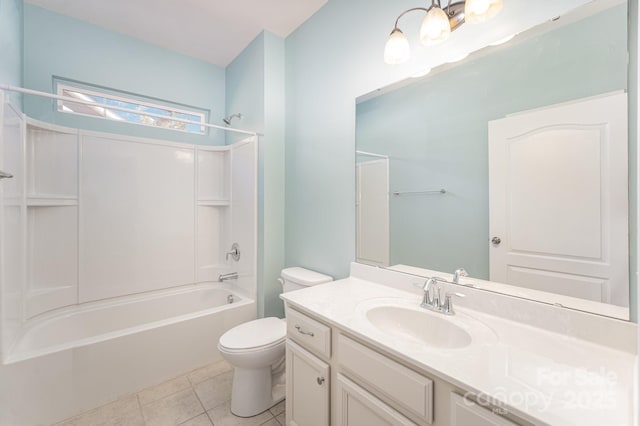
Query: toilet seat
<point x="254" y="335"/>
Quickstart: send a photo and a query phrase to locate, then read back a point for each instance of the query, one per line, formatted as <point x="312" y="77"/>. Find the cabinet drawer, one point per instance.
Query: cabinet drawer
<point x="403" y="387"/>
<point x="356" y="406"/>
<point x="308" y="332"/>
<point x="467" y="413"/>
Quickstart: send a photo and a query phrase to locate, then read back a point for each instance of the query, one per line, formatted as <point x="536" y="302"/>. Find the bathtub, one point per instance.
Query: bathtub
<point x="79" y="357"/>
<point x="95" y="322"/>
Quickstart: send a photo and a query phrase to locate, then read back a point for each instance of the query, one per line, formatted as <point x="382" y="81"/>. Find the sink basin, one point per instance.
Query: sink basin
<point x="424" y="327"/>
<point x="406" y="323"/>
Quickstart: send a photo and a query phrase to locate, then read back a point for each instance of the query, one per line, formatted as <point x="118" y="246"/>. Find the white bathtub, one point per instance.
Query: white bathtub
<point x="76" y="358"/>
<point x="89" y="323"/>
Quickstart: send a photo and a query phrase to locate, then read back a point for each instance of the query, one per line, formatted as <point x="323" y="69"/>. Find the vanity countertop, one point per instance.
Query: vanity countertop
<point x="541" y="376"/>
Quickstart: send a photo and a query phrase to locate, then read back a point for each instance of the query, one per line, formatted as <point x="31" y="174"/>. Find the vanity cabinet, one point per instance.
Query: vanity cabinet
<point x="308" y="384"/>
<point x="336" y="379"/>
<point x="308" y="376"/>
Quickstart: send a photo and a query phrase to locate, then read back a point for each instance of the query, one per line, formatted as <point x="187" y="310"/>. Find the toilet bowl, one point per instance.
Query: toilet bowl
<point x="256" y="350"/>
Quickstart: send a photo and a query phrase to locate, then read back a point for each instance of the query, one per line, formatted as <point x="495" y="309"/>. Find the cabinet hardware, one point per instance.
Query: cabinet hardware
<point x="301" y="331"/>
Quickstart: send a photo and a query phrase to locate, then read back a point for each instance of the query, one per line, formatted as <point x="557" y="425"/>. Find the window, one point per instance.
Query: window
<point x="123" y="107"/>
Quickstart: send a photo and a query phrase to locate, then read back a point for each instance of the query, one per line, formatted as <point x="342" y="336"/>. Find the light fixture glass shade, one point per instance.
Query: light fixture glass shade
<point x="397" y="50"/>
<point x="435" y="27"/>
<point x="476" y="11"/>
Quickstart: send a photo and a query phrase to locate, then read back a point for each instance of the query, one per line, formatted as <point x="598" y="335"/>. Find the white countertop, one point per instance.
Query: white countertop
<point x="541" y="376"/>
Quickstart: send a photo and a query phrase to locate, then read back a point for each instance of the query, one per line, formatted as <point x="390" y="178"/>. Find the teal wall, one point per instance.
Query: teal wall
<point x="56" y="45"/>
<point x="273" y="173"/>
<point x="435" y="132"/>
<point x="255" y="88"/>
<point x="11" y="22"/>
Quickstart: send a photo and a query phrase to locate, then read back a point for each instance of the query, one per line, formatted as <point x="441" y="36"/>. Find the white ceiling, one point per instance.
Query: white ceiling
<point x="213" y="30"/>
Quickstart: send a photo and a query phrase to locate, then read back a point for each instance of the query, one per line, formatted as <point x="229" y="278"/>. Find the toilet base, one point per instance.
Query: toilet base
<point x="254" y="391"/>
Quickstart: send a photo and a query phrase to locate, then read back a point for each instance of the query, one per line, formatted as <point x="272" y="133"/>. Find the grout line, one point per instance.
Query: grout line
<point x="193" y="383"/>
<point x="144" y="420"/>
<point x="197" y="415"/>
<point x="199" y="400"/>
<point x="209" y="417"/>
<point x="167" y="395"/>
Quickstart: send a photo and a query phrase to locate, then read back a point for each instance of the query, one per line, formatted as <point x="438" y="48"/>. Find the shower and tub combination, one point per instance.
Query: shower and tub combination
<point x="111" y="250"/>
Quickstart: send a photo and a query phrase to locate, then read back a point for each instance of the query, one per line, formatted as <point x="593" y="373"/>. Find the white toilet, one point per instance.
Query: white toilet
<point x="256" y="349"/>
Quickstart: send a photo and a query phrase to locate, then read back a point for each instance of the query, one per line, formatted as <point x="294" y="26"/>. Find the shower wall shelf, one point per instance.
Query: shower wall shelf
<point x="214" y="203"/>
<point x="50" y="202"/>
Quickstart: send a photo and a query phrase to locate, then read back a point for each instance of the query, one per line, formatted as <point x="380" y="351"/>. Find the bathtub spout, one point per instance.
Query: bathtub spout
<point x="229" y="276"/>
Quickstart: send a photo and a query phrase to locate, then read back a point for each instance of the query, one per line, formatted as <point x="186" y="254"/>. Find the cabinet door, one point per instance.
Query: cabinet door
<point x="307" y="388"/>
<point x="357" y="407"/>
<point x="467" y="413"/>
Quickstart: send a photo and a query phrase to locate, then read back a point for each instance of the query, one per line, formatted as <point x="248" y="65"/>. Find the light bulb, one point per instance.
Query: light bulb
<point x="476" y="11"/>
<point x="396" y="50"/>
<point x="478" y="7"/>
<point x="435" y="27"/>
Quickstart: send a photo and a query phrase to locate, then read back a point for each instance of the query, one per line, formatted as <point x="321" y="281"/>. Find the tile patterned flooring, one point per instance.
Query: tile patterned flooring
<point x="198" y="398"/>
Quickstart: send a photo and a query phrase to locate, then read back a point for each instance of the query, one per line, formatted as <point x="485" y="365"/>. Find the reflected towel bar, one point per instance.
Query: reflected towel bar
<point x="435" y="191"/>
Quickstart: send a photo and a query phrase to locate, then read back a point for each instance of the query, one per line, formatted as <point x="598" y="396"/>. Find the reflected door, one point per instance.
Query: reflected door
<point x="372" y="210"/>
<point x="559" y="199"/>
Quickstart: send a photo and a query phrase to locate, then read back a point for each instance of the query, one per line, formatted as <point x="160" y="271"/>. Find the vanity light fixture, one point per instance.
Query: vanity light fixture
<point x="437" y="24"/>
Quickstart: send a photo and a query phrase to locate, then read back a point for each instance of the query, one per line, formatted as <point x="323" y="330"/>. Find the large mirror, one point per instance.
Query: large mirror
<point x="513" y="164"/>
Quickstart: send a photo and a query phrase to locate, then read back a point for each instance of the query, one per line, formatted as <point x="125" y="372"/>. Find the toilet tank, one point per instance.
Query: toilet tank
<point x="298" y="278"/>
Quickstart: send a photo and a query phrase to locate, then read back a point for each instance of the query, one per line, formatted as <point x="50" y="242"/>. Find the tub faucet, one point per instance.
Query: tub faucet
<point x="229" y="276"/>
<point x="459" y="273"/>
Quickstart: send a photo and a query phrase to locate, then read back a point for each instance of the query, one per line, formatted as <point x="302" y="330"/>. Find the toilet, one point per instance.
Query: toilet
<point x="256" y="350"/>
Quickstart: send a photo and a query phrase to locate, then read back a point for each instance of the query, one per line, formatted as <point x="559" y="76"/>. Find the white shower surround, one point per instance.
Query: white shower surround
<point x="78" y="344"/>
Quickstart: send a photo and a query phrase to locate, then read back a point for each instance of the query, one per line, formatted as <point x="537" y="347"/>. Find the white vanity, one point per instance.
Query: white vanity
<point x="361" y="351"/>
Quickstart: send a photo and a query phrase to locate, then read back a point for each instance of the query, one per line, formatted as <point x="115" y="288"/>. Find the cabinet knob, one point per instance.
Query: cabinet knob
<point x="496" y="240"/>
<point x="320" y="380"/>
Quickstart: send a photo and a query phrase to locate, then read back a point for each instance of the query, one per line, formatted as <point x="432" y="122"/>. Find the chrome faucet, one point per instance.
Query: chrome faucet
<point x="434" y="302"/>
<point x="429" y="301"/>
<point x="460" y="272"/>
<point x="229" y="276"/>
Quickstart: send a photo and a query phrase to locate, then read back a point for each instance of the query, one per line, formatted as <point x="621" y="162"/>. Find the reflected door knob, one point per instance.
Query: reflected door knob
<point x="496" y="240"/>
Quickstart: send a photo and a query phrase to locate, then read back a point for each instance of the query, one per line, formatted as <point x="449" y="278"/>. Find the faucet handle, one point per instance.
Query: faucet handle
<point x="447" y="306"/>
<point x="234" y="253"/>
<point x="427" y="300"/>
<point x="460" y="272"/>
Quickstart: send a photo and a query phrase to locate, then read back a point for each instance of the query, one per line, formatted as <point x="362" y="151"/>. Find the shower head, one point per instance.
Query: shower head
<point x="227" y="120"/>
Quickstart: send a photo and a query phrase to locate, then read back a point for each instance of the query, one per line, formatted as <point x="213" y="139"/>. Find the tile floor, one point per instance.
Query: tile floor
<point x="198" y="398"/>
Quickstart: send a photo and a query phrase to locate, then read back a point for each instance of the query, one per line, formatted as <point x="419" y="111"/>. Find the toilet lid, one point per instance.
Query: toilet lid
<point x="255" y="334"/>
